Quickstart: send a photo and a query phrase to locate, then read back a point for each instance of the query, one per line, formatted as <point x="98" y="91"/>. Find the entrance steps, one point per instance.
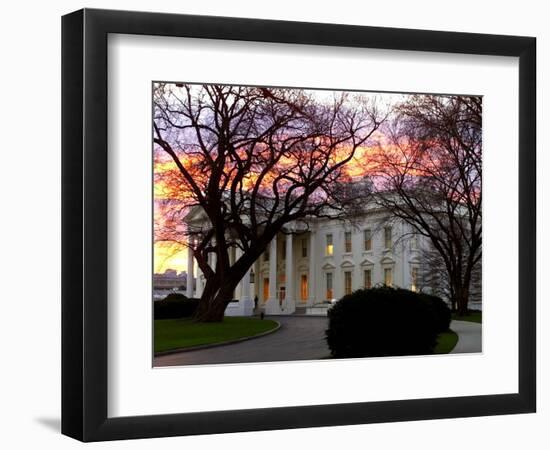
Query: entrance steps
<point x="319" y="309"/>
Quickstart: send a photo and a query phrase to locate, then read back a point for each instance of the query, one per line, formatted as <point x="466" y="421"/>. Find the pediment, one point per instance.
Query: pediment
<point x="347" y="264"/>
<point x="195" y="214"/>
<point x="414" y="260"/>
<point x="328" y="266"/>
<point x="387" y="261"/>
<point x="367" y="262"/>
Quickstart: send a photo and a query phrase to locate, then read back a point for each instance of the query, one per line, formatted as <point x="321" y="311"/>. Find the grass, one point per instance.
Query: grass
<point x="473" y="316"/>
<point x="173" y="334"/>
<point x="446" y="342"/>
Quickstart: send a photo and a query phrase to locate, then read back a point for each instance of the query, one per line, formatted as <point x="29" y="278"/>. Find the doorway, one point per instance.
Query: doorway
<point x="303" y="288"/>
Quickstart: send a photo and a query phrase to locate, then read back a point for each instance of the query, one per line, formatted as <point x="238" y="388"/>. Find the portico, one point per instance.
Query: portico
<point x="285" y="274"/>
<point x="308" y="269"/>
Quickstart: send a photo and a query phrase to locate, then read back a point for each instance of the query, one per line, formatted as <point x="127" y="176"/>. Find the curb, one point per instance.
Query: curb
<point x="314" y="316"/>
<point x="467" y="321"/>
<point x="218" y="344"/>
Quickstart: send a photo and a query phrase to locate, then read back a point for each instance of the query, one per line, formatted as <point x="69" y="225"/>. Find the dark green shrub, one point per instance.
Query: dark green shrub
<point x="175" y="306"/>
<point x="381" y="321"/>
<point x="441" y="310"/>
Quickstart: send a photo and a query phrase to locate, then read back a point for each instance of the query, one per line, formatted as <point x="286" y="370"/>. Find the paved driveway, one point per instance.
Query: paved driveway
<point x="469" y="336"/>
<point x="298" y="338"/>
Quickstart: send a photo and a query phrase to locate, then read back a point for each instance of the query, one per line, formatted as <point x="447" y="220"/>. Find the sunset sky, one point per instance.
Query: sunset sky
<point x="169" y="255"/>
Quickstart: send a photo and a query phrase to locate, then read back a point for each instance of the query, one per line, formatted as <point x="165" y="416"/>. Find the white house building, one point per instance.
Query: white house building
<point x="309" y="269"/>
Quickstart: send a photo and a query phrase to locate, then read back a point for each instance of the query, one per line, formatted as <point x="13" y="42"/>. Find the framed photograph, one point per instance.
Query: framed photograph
<point x="273" y="225"/>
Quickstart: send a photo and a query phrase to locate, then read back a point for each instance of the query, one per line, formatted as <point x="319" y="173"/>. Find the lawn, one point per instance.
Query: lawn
<point x="473" y="316"/>
<point x="446" y="342"/>
<point x="172" y="334"/>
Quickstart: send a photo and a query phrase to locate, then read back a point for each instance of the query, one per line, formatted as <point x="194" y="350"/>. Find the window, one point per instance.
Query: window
<point x="414" y="279"/>
<point x="347" y="283"/>
<point x="329" y="249"/>
<point x="329" y="286"/>
<point x="367" y="279"/>
<point x="414" y="241"/>
<point x="347" y="242"/>
<point x="283" y="251"/>
<point x="266" y="289"/>
<point x="367" y="240"/>
<point x="388" y="277"/>
<point x="303" y="288"/>
<point x="266" y="255"/>
<point x="387" y="237"/>
<point x="304" y="248"/>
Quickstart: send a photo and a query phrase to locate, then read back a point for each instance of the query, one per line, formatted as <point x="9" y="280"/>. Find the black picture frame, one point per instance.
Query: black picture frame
<point x="84" y="224"/>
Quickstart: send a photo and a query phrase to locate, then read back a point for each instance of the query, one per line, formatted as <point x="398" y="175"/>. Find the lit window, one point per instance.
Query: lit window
<point x="347" y="242"/>
<point x="303" y="288"/>
<point x="414" y="279"/>
<point x="266" y="289"/>
<point x="387" y="237"/>
<point x="347" y="283"/>
<point x="367" y="279"/>
<point x="388" y="277"/>
<point x="329" y="286"/>
<point x="367" y="240"/>
<point x="329" y="250"/>
<point x="304" y="248"/>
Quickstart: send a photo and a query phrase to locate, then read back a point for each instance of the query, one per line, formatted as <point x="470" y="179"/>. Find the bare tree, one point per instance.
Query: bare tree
<point x="429" y="174"/>
<point x="434" y="277"/>
<point x="253" y="160"/>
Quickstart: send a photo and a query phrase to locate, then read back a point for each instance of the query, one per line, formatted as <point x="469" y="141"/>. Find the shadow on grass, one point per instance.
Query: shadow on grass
<point x="472" y="316"/>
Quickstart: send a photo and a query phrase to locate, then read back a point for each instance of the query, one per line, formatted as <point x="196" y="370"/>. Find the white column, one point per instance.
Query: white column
<point x="273" y="269"/>
<point x="213" y="261"/>
<point x="246" y="300"/>
<point x="272" y="304"/>
<point x="257" y="279"/>
<point x="246" y="304"/>
<point x="233" y="255"/>
<point x="290" y="301"/>
<point x="190" y="269"/>
<point x="200" y="286"/>
<point x="239" y="288"/>
<point x="312" y="282"/>
<point x="245" y="286"/>
<point x="338" y="278"/>
<point x="258" y="282"/>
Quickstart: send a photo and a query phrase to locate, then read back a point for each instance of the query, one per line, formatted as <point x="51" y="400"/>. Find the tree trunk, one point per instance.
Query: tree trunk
<point x="462" y="300"/>
<point x="219" y="288"/>
<point x="211" y="310"/>
<point x="453" y="303"/>
<point x="211" y="307"/>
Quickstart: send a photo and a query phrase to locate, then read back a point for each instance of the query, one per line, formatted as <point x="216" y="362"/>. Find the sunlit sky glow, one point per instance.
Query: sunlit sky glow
<point x="169" y="255"/>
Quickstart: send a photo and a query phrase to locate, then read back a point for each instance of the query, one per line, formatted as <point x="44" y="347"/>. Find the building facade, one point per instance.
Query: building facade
<point x="310" y="269"/>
